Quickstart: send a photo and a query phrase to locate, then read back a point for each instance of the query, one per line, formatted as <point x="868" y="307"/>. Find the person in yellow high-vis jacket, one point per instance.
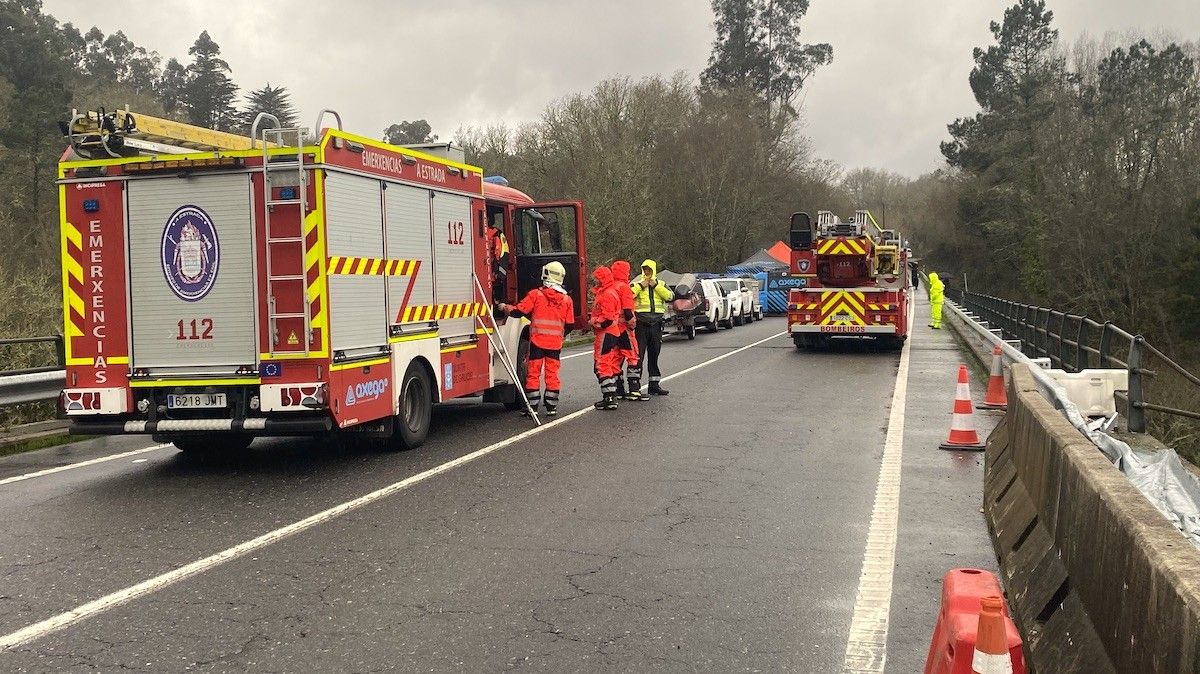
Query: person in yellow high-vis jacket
<point x="650" y="299"/>
<point x="937" y="295"/>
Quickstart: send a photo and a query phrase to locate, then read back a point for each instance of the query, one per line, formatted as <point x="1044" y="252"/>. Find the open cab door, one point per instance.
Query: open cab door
<point x="546" y="233"/>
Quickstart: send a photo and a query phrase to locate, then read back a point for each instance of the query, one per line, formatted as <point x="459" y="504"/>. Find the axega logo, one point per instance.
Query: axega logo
<point x="366" y="391"/>
<point x="191" y="253"/>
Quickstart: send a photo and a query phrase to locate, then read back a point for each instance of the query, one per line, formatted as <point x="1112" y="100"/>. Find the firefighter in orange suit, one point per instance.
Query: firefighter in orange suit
<point x="606" y="321"/>
<point x="550" y="312"/>
<point x="497" y="247"/>
<point x="629" y="345"/>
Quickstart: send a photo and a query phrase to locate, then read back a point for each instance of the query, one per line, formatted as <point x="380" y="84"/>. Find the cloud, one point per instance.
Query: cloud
<point x="899" y="73"/>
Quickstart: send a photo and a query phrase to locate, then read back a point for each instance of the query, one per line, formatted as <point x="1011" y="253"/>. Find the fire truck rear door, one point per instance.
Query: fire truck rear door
<point x="191" y="274"/>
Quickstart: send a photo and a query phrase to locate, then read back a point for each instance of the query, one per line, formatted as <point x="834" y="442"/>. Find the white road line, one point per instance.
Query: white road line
<point x="576" y="355"/>
<point x="81" y="464"/>
<point x="866" y="648"/>
<point x="41" y="629"/>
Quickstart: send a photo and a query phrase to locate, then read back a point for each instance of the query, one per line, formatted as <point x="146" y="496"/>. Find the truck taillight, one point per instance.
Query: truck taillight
<point x="314" y="396"/>
<point x="79" y="401"/>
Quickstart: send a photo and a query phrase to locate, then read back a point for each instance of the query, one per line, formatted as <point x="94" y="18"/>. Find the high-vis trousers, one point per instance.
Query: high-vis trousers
<point x="608" y="362"/>
<point x="935" y="314"/>
<point x="543" y="361"/>
<point x="649" y="338"/>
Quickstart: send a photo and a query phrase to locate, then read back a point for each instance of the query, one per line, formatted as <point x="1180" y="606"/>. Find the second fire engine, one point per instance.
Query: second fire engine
<point x="854" y="281"/>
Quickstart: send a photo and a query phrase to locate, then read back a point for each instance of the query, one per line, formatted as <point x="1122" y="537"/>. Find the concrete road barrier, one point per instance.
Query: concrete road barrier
<point x="1098" y="580"/>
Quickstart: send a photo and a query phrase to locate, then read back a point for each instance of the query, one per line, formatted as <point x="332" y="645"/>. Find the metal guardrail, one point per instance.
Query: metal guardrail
<point x="31" y="384"/>
<point x="1074" y="343"/>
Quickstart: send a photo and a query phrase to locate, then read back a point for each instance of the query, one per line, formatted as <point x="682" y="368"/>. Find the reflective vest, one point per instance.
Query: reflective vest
<point x="651" y="300"/>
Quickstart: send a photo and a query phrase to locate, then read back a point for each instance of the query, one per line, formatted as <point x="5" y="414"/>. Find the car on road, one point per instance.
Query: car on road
<point x="751" y="299"/>
<point x="716" y="306"/>
<point x="738" y="302"/>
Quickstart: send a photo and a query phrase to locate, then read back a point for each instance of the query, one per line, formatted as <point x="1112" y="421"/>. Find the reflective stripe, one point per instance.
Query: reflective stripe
<point x="547" y="326"/>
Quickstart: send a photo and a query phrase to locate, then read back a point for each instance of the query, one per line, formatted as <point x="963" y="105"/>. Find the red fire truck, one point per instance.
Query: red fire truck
<point x="218" y="287"/>
<point x="852" y="279"/>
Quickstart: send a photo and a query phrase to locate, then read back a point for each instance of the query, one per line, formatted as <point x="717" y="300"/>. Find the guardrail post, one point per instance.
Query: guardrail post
<point x="60" y="350"/>
<point x="1137" y="413"/>
<point x="1081" y="354"/>
<point x="1105" y="343"/>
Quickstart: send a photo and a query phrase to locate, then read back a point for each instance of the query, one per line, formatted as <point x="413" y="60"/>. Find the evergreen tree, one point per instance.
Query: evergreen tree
<point x="209" y="92"/>
<point x="409" y="133"/>
<point x="172" y="89"/>
<point x="758" y="51"/>
<point x="271" y="100"/>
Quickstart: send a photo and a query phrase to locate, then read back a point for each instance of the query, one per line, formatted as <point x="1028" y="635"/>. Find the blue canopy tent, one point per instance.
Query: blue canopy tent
<point x="762" y="266"/>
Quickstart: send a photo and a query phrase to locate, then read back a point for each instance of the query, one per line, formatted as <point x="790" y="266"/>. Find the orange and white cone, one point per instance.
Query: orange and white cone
<point x="962" y="427"/>
<point x="991" y="639"/>
<point x="996" y="397"/>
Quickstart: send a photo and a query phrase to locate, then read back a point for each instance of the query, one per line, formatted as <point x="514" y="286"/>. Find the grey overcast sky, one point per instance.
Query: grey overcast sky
<point x="899" y="73"/>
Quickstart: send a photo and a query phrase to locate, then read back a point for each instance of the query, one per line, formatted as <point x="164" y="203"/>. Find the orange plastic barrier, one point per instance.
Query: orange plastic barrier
<point x="973" y="605"/>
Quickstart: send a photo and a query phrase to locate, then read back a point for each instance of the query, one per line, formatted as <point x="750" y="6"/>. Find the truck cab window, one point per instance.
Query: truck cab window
<point x="546" y="230"/>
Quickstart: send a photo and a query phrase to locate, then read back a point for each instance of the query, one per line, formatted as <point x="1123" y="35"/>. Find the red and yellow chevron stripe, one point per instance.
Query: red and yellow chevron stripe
<point x="370" y="266"/>
<point x="843" y="307"/>
<point x="441" y="312"/>
<point x="72" y="265"/>
<point x="842" y="246"/>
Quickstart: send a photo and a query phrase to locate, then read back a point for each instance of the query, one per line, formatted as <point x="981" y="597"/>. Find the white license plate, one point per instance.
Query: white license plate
<point x="196" y="401"/>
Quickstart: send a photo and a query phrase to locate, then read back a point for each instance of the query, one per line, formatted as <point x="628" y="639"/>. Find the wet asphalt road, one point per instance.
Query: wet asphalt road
<point x="720" y="528"/>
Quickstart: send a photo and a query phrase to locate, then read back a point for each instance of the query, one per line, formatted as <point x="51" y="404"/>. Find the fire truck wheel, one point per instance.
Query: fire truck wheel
<point x="522" y="365"/>
<point x="416" y="407"/>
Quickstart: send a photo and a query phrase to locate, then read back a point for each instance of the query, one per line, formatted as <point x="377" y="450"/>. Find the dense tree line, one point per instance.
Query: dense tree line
<point x="698" y="174"/>
<point x="1077" y="185"/>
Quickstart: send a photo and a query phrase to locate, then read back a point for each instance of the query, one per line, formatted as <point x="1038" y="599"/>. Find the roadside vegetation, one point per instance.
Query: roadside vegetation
<point x="1074" y="185"/>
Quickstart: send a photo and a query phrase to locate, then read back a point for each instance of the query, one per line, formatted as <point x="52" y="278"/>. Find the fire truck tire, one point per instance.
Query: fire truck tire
<point x="522" y="365"/>
<point x="416" y="407"/>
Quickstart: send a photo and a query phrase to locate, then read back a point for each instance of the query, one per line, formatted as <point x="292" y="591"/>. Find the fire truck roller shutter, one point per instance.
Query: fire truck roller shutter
<point x="408" y="238"/>
<point x="453" y="256"/>
<point x="191" y="260"/>
<point x="354" y="228"/>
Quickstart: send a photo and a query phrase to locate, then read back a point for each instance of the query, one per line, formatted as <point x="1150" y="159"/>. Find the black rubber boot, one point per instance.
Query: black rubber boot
<point x="551" y="411"/>
<point x="656" y="390"/>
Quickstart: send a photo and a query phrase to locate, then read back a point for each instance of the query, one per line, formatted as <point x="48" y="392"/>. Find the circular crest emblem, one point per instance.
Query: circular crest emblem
<point x="802" y="265"/>
<point x="190" y="253"/>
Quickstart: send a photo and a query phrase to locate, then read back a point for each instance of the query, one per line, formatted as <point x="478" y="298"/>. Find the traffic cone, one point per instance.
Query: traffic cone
<point x="996" y="397"/>
<point x="962" y="428"/>
<point x="991" y="640"/>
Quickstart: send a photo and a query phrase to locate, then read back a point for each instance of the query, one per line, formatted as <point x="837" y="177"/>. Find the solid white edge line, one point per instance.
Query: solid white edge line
<point x="866" y="646"/>
<point x="81" y="464"/>
<point x="54" y="623"/>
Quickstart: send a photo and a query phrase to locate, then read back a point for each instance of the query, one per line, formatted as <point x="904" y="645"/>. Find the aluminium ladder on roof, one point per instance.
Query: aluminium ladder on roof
<point x="121" y="133"/>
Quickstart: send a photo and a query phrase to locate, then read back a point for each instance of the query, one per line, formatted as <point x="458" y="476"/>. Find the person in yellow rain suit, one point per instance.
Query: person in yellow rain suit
<point x="937" y="294"/>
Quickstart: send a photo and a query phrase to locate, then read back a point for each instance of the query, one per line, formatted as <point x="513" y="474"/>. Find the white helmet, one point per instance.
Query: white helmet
<point x="554" y="272"/>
